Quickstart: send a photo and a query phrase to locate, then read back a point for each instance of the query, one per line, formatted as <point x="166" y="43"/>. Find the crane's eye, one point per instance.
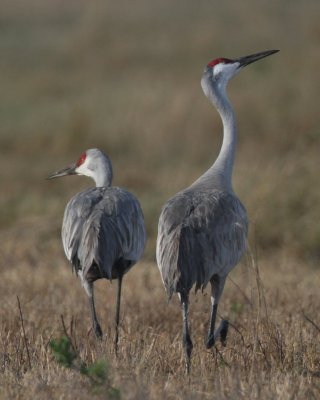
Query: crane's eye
<point x="218" y="61"/>
<point x="82" y="159"/>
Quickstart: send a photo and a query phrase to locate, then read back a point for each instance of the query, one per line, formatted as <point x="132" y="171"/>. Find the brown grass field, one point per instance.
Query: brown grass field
<point x="124" y="76"/>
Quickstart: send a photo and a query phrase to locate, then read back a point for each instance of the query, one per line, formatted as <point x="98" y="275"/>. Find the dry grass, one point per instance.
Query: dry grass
<point x="272" y="352"/>
<point x="80" y="74"/>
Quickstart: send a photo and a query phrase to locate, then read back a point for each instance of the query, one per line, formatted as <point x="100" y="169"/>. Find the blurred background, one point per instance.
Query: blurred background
<point x="125" y="77"/>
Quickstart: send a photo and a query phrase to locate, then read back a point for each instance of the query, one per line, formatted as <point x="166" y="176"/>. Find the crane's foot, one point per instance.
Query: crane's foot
<point x="116" y="346"/>
<point x="97" y="330"/>
<point x="224" y="327"/>
<point x="221" y="332"/>
<point x="188" y="367"/>
<point x="188" y="346"/>
<point x="210" y="341"/>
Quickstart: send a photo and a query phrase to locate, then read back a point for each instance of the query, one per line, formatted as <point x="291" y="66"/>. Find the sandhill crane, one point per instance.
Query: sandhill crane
<point x="103" y="230"/>
<point x="202" y="230"/>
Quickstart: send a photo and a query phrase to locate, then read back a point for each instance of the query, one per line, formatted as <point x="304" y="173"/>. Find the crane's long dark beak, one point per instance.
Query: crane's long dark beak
<point x="70" y="170"/>
<point x="244" y="61"/>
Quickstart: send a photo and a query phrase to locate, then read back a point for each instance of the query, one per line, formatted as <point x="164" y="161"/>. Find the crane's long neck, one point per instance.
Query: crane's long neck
<point x="223" y="166"/>
<point x="100" y="171"/>
<point x="102" y="181"/>
<point x="219" y="175"/>
<point x="102" y="174"/>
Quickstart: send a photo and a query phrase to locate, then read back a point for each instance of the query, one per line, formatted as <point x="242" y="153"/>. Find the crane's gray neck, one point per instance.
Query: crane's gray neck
<point x="219" y="175"/>
<point x="102" y="174"/>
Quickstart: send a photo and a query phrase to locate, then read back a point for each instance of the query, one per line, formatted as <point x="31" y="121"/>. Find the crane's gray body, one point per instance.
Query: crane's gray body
<point x="103" y="232"/>
<point x="201" y="233"/>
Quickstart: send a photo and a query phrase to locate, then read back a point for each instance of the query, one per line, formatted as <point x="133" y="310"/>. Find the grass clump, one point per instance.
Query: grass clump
<point x="63" y="351"/>
<point x="98" y="372"/>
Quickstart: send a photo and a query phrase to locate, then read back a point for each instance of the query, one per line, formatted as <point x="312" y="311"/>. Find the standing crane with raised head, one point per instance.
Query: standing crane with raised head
<point x="103" y="231"/>
<point x="202" y="230"/>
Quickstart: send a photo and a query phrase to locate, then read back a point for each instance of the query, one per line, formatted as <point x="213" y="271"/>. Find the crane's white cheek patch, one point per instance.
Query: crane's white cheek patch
<point x="82" y="170"/>
<point x="217" y="69"/>
<point x="226" y="70"/>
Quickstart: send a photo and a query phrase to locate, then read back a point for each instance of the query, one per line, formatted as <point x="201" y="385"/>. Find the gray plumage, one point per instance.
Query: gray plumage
<point x="201" y="233"/>
<point x="103" y="227"/>
<point x="202" y="230"/>
<point x="103" y="230"/>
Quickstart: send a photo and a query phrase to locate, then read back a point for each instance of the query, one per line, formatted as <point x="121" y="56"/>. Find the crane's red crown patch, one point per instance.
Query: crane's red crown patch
<point x="219" y="61"/>
<point x="82" y="159"/>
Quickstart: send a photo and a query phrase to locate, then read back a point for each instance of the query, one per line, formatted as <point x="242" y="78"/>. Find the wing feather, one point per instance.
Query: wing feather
<point x="199" y="235"/>
<point x="102" y="226"/>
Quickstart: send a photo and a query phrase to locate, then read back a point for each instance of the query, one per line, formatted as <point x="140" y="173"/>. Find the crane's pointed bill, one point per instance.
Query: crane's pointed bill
<point x="70" y="170"/>
<point x="244" y="61"/>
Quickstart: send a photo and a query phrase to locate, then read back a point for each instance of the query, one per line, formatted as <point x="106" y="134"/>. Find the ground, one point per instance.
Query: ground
<point x="272" y="349"/>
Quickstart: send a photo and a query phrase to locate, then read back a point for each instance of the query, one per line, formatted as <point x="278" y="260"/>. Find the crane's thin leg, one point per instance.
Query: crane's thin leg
<point x="187" y="342"/>
<point x="96" y="326"/>
<point x="118" y="313"/>
<point x="217" y="285"/>
<point x="88" y="286"/>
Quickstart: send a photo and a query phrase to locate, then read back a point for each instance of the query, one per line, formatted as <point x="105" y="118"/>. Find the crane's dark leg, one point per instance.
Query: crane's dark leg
<point x="217" y="285"/>
<point x="118" y="313"/>
<point x="187" y="342"/>
<point x="95" y="324"/>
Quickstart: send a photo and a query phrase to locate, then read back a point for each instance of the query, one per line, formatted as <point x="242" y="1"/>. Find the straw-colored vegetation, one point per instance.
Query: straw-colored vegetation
<point x="124" y="76"/>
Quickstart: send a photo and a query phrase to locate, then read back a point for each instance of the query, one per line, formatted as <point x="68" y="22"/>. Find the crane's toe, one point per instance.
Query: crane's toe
<point x="188" y="346"/>
<point x="224" y="326"/>
<point x="210" y="341"/>
<point x="97" y="330"/>
<point x="221" y="332"/>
